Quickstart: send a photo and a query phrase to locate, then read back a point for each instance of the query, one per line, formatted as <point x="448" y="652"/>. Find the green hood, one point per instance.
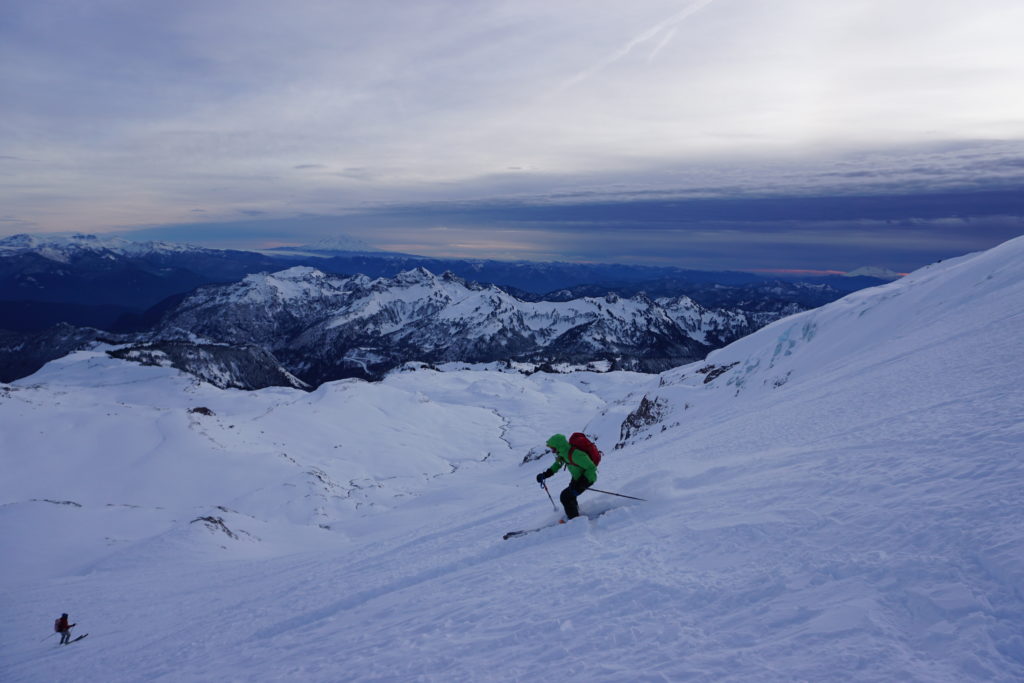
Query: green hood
<point x="560" y="443"/>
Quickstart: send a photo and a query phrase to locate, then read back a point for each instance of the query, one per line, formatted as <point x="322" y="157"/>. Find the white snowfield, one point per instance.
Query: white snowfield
<point x="842" y="501"/>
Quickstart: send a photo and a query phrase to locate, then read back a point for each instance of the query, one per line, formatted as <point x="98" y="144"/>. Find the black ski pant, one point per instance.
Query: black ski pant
<point x="568" y="497"/>
<point x="65" y="637"/>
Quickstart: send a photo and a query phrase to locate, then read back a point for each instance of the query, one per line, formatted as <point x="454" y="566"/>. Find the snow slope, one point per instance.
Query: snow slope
<point x="836" y="497"/>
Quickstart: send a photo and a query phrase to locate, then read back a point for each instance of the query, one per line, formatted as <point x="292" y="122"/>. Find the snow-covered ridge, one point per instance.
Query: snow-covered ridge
<point x="290" y="284"/>
<point x="62" y="247"/>
<point x="321" y="324"/>
<point x="955" y="298"/>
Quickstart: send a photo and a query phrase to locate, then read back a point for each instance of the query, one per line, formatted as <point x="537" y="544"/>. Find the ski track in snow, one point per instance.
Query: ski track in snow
<point x="845" y="503"/>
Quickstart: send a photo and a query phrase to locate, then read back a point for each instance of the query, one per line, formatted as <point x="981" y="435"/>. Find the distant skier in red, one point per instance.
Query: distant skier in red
<point x="62" y="627"/>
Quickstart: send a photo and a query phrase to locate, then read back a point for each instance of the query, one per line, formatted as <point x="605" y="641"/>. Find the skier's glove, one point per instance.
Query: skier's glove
<point x="542" y="476"/>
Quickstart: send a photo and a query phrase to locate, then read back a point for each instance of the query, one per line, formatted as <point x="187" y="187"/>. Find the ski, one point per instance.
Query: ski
<point x="523" y="532"/>
<point x="75" y="640"/>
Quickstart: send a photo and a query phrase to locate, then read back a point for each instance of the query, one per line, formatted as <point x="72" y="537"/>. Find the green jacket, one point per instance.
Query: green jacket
<point x="578" y="465"/>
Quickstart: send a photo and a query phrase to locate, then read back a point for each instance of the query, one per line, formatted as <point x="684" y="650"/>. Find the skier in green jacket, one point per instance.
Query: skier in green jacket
<point x="580" y="466"/>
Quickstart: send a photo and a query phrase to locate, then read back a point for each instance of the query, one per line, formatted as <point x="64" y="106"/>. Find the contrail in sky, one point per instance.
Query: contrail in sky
<point x="647" y="35"/>
<point x="669" y="35"/>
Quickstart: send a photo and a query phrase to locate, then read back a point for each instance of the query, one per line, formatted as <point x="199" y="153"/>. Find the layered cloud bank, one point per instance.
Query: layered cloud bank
<point x="121" y="119"/>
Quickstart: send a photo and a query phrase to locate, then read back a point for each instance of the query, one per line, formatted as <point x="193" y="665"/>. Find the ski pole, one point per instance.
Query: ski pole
<point x="620" y="495"/>
<point x="545" y="487"/>
<point x="48" y="637"/>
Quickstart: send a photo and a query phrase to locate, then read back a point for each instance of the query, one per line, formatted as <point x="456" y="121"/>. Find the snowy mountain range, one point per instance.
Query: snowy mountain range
<point x="324" y="327"/>
<point x="108" y="282"/>
<point x="65" y="248"/>
<point x="837" y="496"/>
<point x="333" y="326"/>
<point x="93" y="280"/>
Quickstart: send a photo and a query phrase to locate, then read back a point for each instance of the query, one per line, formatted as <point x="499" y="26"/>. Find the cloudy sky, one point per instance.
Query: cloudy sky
<point x="748" y="134"/>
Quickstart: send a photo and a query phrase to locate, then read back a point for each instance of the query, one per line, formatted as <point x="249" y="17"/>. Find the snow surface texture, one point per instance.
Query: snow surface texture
<point x="836" y="497"/>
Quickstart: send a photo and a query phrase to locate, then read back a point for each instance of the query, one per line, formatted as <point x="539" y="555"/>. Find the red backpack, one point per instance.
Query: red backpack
<point x="580" y="441"/>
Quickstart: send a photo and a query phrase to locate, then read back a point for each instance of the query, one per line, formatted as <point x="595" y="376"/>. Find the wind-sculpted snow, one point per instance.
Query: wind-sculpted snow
<point x="324" y="327"/>
<point x="951" y="301"/>
<point x="837" y="497"/>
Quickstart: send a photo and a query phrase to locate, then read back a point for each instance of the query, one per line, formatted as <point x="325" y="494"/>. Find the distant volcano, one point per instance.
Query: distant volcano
<point x="879" y="272"/>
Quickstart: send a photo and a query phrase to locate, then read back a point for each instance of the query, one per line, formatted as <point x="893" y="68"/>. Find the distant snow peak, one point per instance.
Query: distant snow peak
<point x="62" y="246"/>
<point x="415" y="276"/>
<point x="879" y="272"/>
<point x="19" y="241"/>
<point x="449" y="276"/>
<point x="300" y="273"/>
<point x="26" y="241"/>
<point x="289" y="275"/>
<point x="292" y="284"/>
<point x="341" y="242"/>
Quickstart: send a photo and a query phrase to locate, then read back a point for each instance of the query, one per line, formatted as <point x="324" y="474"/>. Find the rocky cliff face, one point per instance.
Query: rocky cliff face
<point x="227" y="367"/>
<point x="22" y="353"/>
